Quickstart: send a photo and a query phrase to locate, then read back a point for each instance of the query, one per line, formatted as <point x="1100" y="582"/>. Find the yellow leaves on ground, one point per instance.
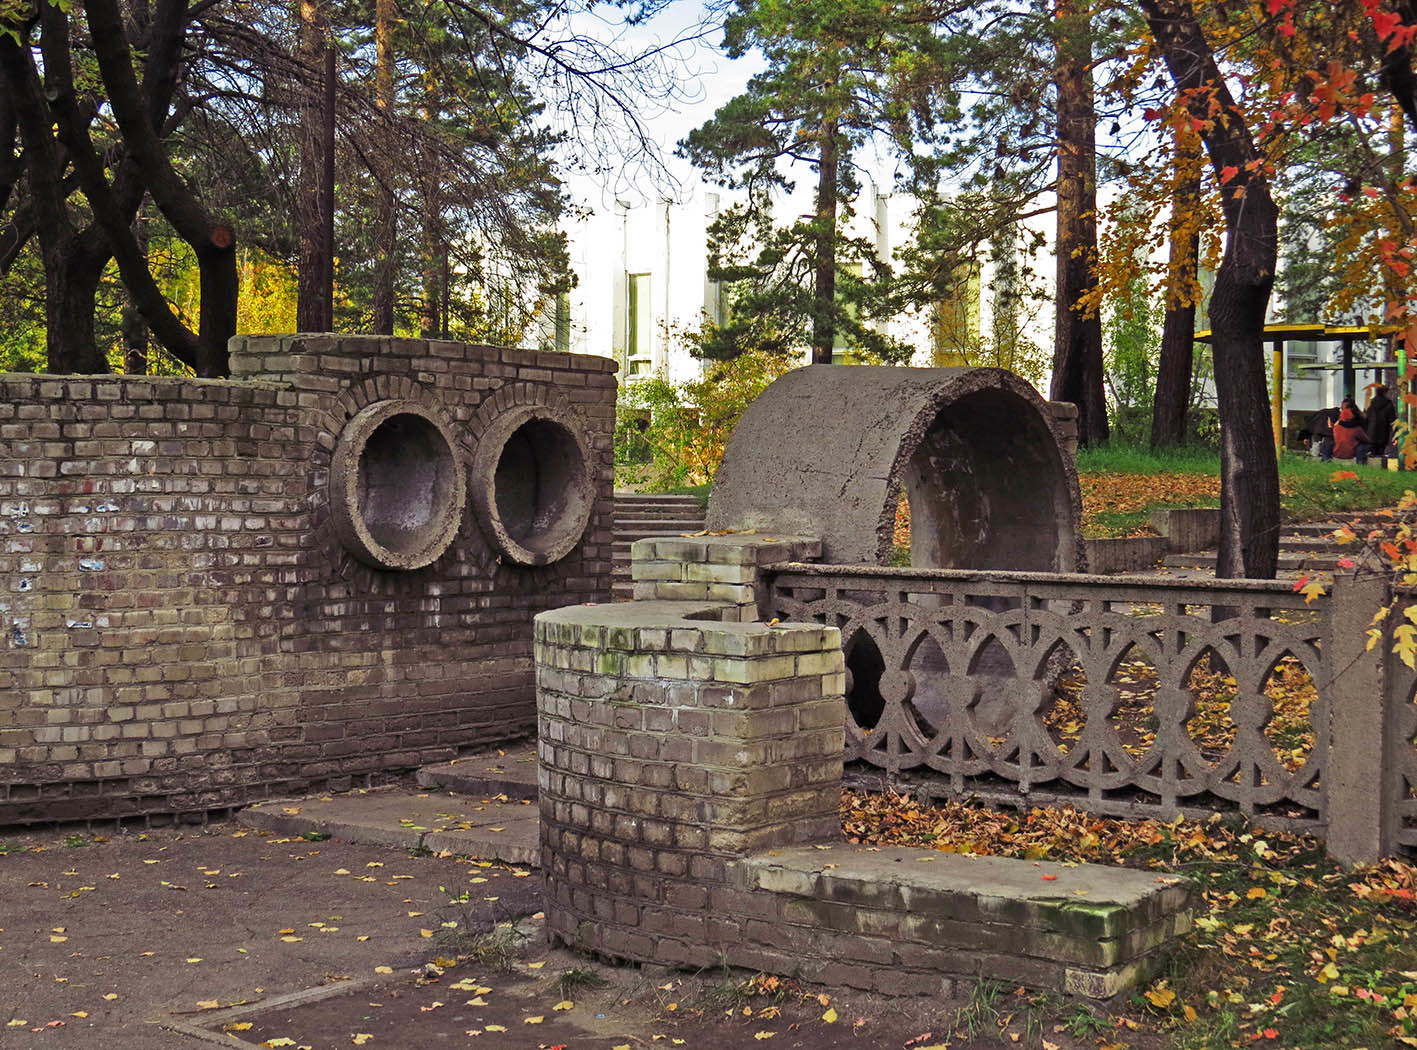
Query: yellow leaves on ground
<point x="830" y="1016"/>
<point x="1160" y="996"/>
<point x="360" y="1038"/>
<point x="564" y="1004"/>
<point x="1126" y="493"/>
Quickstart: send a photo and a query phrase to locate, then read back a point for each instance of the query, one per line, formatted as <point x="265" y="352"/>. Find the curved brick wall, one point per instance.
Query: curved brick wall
<point x="180" y="625"/>
<point x="669" y="748"/>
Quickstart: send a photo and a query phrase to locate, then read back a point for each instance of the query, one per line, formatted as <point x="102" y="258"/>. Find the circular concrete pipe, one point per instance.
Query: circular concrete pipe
<point x="827" y="450"/>
<point x="531" y="484"/>
<point x="396" y="486"/>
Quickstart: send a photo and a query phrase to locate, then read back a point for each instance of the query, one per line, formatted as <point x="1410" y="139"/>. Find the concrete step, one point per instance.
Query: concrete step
<point x="661" y="525"/>
<point x="505" y="771"/>
<point x="653" y="530"/>
<point x="506" y="831"/>
<point x="1206" y="560"/>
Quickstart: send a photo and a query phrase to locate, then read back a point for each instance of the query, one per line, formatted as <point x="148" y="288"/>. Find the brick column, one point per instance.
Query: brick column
<point x="670" y="746"/>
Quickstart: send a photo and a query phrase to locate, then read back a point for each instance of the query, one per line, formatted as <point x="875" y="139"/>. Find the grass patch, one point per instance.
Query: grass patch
<point x="12" y="847"/>
<point x="496" y="949"/>
<point x="1122" y="484"/>
<point x="980" y="1015"/>
<point x="569" y="982"/>
<point x="1134" y="459"/>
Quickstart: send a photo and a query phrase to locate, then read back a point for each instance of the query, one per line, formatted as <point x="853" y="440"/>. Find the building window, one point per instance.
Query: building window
<point x="842" y="345"/>
<point x="563" y="322"/>
<point x="637" y="324"/>
<point x="1300" y="352"/>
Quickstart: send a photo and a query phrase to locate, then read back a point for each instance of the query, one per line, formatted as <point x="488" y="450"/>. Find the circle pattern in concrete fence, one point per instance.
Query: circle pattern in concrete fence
<point x="532" y="488"/>
<point x="396" y="486"/>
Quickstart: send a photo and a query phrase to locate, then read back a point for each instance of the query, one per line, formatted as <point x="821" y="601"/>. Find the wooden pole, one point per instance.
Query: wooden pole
<point x="1277" y="400"/>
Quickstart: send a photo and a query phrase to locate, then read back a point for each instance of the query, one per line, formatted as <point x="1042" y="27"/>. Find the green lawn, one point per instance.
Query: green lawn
<point x="1121" y="485"/>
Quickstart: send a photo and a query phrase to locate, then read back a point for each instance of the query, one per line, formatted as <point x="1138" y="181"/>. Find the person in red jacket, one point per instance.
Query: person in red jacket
<point x="1348" y="432"/>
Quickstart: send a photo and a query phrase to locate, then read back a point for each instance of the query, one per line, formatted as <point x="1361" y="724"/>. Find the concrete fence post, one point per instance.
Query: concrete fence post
<point x="1359" y="800"/>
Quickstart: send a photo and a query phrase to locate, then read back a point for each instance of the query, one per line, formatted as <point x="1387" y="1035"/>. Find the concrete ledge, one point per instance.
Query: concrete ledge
<point x="1187" y="529"/>
<point x="1087" y="929"/>
<point x="1128" y="554"/>
<point x="504" y="831"/>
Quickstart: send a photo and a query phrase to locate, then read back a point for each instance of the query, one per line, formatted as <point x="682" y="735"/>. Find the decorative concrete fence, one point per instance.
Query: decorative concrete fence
<point x="988" y="669"/>
<point x="324" y="567"/>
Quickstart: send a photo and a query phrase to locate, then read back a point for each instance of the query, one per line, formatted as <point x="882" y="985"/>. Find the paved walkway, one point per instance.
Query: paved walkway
<point x="482" y="806"/>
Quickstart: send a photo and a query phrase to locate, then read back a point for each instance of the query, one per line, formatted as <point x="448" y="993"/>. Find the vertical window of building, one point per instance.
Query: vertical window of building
<point x="563" y="322"/>
<point x="637" y="323"/>
<point x="841" y="344"/>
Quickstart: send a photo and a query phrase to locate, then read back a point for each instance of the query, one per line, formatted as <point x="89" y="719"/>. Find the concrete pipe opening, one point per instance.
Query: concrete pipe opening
<point x="827" y="451"/>
<point x="532" y="488"/>
<point x="397" y="486"/>
<point x="984" y="488"/>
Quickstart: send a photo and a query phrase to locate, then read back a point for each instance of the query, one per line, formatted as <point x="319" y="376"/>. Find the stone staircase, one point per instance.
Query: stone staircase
<point x="1303" y="546"/>
<point x="639" y="515"/>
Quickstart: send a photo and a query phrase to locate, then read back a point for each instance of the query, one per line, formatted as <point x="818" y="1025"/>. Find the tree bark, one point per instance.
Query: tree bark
<point x="824" y="285"/>
<point x="135" y="329"/>
<point x="1077" y="347"/>
<point x="1173" y="373"/>
<point x="1249" y="476"/>
<point x="312" y="34"/>
<point x="385" y="219"/>
<point x="69" y="335"/>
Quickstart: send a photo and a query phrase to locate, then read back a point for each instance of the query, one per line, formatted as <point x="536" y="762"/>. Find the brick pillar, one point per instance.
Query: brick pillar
<point x="1362" y="770"/>
<point x="670" y="746"/>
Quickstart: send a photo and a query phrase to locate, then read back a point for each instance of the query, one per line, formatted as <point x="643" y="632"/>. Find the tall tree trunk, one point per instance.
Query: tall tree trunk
<point x="311" y="35"/>
<point x="434" y="251"/>
<point x="385" y="219"/>
<point x="824" y="286"/>
<point x="1077" y="348"/>
<point x="1249" y="475"/>
<point x="1173" y="373"/>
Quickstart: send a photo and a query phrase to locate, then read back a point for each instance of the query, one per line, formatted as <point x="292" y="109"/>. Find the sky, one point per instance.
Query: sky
<point x="704" y="78"/>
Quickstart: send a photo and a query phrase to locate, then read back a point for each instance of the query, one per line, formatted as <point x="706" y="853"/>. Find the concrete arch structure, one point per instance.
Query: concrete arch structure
<point x="827" y="450"/>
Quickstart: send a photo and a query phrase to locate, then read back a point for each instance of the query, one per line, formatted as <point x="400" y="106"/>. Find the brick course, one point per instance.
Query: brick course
<point x="181" y="628"/>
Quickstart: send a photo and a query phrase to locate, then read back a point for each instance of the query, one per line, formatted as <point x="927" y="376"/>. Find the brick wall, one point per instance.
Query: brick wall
<point x="182" y="629"/>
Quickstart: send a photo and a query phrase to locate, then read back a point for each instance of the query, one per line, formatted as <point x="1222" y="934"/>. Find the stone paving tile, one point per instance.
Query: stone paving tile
<point x="487" y="828"/>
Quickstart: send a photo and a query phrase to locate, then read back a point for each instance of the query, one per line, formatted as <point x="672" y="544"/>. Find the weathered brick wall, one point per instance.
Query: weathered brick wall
<point x="183" y="630"/>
